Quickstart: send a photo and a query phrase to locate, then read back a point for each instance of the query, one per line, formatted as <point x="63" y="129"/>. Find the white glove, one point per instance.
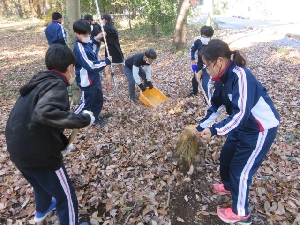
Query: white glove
<point x="67" y="150"/>
<point x="91" y="116"/>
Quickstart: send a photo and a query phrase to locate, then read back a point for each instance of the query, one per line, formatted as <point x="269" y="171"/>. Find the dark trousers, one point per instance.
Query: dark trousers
<point x="241" y="156"/>
<point x="204" y="82"/>
<point x="91" y="100"/>
<point x="131" y="82"/>
<point x="57" y="185"/>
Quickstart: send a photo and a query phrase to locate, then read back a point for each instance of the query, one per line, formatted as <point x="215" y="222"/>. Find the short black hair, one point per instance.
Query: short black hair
<point x="82" y="26"/>
<point x="59" y="57"/>
<point x="56" y="16"/>
<point x="208" y="31"/>
<point x="88" y="17"/>
<point x="151" y="53"/>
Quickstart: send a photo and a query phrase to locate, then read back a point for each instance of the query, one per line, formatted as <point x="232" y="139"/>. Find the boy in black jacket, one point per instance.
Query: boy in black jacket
<point x="35" y="139"/>
<point x="137" y="70"/>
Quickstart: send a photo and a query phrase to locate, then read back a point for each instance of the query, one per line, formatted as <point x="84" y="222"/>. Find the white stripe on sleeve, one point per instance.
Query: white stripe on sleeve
<point x="242" y="84"/>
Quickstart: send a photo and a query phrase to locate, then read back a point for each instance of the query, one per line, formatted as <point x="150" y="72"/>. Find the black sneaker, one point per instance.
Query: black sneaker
<point x="99" y="123"/>
<point x="191" y="94"/>
<point x="133" y="99"/>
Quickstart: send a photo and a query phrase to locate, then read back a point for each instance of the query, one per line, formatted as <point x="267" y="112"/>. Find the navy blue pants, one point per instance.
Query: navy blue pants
<point x="91" y="100"/>
<point x="57" y="185"/>
<point x="131" y="82"/>
<point x="240" y="158"/>
<point x="204" y="82"/>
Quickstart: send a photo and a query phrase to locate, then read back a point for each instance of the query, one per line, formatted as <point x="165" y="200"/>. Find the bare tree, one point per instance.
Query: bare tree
<point x="210" y="13"/>
<point x="18" y="7"/>
<point x="5" y="8"/>
<point x="72" y="14"/>
<point x="180" y="30"/>
<point x="48" y="6"/>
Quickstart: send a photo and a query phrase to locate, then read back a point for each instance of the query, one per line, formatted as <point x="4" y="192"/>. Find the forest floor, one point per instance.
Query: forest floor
<point x="126" y="172"/>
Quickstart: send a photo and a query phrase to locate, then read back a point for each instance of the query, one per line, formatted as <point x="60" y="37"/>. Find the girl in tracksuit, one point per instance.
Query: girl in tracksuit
<point x="251" y="126"/>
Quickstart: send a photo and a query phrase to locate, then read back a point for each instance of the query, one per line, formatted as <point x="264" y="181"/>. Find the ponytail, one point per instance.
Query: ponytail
<point x="238" y="58"/>
<point x="217" y="48"/>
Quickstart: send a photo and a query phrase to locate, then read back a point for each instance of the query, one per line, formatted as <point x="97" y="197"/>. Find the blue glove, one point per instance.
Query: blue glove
<point x="194" y="68"/>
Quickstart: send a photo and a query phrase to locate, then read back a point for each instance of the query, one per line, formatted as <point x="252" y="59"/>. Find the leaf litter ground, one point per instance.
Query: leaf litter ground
<point x="126" y="172"/>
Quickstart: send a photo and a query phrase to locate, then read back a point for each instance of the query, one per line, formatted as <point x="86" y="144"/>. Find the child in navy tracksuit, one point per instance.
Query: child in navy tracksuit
<point x="251" y="126"/>
<point x="55" y="32"/>
<point x="35" y="138"/>
<point x="206" y="34"/>
<point x="87" y="69"/>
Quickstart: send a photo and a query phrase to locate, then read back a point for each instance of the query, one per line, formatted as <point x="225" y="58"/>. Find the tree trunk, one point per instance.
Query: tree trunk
<point x="48" y="6"/>
<point x="153" y="29"/>
<point x="72" y="14"/>
<point x="39" y="11"/>
<point x="210" y="13"/>
<point x="180" y="30"/>
<point x="133" y="13"/>
<point x="129" y="19"/>
<point x="6" y="13"/>
<point x="19" y="8"/>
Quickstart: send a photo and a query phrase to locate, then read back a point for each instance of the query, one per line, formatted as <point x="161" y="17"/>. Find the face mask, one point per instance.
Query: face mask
<point x="148" y="61"/>
<point x="204" y="40"/>
<point x="86" y="39"/>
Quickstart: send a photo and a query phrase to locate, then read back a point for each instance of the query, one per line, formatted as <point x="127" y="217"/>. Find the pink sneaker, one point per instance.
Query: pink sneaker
<point x="219" y="188"/>
<point x="228" y="216"/>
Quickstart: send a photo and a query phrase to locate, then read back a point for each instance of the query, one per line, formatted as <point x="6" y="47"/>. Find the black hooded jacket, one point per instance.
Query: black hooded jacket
<point x="113" y="44"/>
<point x="34" y="130"/>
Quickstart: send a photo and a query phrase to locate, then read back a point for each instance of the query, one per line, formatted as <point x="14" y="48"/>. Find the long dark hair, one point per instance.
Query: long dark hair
<point x="108" y="19"/>
<point x="218" y="48"/>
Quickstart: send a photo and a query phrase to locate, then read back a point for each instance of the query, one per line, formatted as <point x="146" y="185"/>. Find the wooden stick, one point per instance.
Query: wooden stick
<point x="106" y="47"/>
<point x="202" y="90"/>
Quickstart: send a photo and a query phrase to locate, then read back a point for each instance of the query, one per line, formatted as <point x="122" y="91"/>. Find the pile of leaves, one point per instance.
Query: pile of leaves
<point x="126" y="172"/>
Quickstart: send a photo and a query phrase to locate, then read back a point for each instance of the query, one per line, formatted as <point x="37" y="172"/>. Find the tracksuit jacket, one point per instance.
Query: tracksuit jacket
<point x="197" y="47"/>
<point x="55" y="33"/>
<point x="34" y="130"/>
<point x="87" y="65"/>
<point x="251" y="128"/>
<point x="246" y="101"/>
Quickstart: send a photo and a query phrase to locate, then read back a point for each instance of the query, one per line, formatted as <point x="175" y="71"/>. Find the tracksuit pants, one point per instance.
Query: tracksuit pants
<point x="204" y="82"/>
<point x="57" y="185"/>
<point x="241" y="156"/>
<point x="130" y="79"/>
<point x="91" y="100"/>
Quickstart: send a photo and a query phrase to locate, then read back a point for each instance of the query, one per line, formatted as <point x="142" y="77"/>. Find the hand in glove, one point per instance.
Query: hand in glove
<point x="142" y="87"/>
<point x="194" y="68"/>
<point x="67" y="150"/>
<point x="91" y="116"/>
<point x="149" y="84"/>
